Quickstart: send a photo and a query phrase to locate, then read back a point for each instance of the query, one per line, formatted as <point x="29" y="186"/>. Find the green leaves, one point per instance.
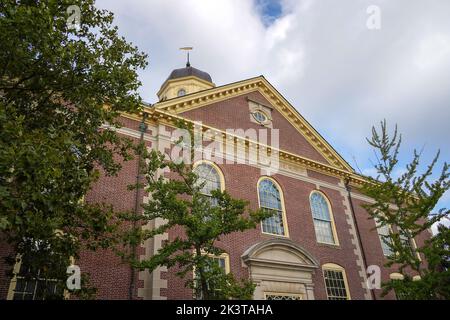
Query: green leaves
<point x="54" y="85"/>
<point x="177" y="204"/>
<point x="405" y="204"/>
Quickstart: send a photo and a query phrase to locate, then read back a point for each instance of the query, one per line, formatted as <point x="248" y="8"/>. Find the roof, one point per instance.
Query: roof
<point x="189" y="71"/>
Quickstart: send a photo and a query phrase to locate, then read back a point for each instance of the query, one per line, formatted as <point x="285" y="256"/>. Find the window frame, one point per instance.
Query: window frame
<point x="223" y="255"/>
<point x="335" y="267"/>
<point x="412" y="244"/>
<point x="266" y="117"/>
<point x="16" y="277"/>
<point x="332" y="222"/>
<point x="218" y="170"/>
<point x="289" y="294"/>
<point x="283" y="208"/>
<point x="378" y="225"/>
<point x="178" y="92"/>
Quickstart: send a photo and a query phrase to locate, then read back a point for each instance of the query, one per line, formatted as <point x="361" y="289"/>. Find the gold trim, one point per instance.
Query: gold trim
<point x="215" y="166"/>
<point x="13" y="282"/>
<point x="260" y="84"/>
<point x="157" y="116"/>
<point x="396" y="276"/>
<point x="171" y="81"/>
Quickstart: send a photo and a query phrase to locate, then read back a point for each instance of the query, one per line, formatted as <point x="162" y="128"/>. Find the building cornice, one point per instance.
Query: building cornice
<point x="158" y="116"/>
<point x="184" y="79"/>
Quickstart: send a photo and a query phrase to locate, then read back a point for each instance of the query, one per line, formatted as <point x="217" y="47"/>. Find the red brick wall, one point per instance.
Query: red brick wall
<point x="5" y="269"/>
<point x="108" y="273"/>
<point x="241" y="181"/>
<point x="372" y="245"/>
<point x="112" y="278"/>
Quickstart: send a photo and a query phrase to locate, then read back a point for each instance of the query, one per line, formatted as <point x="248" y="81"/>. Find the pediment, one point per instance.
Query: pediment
<point x="281" y="252"/>
<point x="183" y="105"/>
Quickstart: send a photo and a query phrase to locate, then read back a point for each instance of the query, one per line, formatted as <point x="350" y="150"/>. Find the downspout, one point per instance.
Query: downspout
<point x="352" y="209"/>
<point x="142" y="129"/>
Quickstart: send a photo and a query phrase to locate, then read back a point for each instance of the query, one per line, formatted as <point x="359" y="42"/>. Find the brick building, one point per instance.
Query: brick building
<point x="259" y="148"/>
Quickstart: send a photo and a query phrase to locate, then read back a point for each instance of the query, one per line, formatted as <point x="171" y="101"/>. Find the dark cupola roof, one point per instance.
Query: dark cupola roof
<point x="189" y="71"/>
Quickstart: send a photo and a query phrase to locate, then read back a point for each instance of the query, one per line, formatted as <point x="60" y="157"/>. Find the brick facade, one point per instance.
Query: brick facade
<point x="113" y="278"/>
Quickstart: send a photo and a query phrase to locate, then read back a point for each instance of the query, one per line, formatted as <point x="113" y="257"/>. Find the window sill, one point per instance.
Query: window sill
<point x="329" y="245"/>
<point x="275" y="235"/>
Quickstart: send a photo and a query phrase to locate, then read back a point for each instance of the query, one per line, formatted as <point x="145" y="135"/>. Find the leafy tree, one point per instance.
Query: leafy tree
<point x="55" y="84"/>
<point x="178" y="200"/>
<point x="405" y="204"/>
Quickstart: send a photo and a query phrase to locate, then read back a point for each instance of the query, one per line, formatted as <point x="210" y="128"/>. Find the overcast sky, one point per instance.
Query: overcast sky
<point x="340" y="75"/>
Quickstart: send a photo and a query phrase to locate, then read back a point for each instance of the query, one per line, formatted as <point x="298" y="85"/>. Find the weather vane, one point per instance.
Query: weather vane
<point x="188" y="64"/>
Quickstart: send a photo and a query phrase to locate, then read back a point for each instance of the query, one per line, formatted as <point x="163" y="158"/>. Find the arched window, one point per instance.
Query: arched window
<point x="323" y="218"/>
<point x="384" y="233"/>
<point x="181" y="92"/>
<point x="270" y="199"/>
<point x="335" y="282"/>
<point x="211" y="177"/>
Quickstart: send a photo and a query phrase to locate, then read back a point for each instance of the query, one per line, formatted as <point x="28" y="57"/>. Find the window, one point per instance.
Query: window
<point x="397" y="277"/>
<point x="409" y="243"/>
<point x="181" y="92"/>
<point x="282" y="296"/>
<point x="385" y="238"/>
<point x="260" y="116"/>
<point x="335" y="282"/>
<point x="211" y="177"/>
<point x="270" y="200"/>
<point x="222" y="261"/>
<point x="260" y="113"/>
<point x="29" y="285"/>
<point x="406" y="242"/>
<point x="323" y="219"/>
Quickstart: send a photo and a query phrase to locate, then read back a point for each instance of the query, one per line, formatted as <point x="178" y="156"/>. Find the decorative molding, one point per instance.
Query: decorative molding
<point x="280" y="265"/>
<point x="305" y="258"/>
<point x="157" y="116"/>
<point x="355" y="243"/>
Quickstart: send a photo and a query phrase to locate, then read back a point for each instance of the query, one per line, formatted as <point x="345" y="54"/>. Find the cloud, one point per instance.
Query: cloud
<point x="434" y="227"/>
<point x="320" y="55"/>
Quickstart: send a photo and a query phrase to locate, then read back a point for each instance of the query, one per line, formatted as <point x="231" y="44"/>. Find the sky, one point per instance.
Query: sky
<point x="341" y="75"/>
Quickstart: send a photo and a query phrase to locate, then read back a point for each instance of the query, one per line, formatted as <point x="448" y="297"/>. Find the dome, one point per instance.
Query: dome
<point x="189" y="71"/>
<point x="184" y="81"/>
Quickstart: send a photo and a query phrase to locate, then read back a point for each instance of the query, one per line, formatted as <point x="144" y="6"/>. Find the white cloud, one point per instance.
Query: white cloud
<point x="434" y="229"/>
<point x="341" y="76"/>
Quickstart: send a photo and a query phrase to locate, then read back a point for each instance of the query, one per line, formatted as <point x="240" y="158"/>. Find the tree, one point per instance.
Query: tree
<point x="60" y="85"/>
<point x="178" y="200"/>
<point x="405" y="204"/>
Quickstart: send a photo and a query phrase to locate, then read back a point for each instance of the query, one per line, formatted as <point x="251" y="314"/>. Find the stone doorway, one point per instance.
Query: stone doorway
<point x="281" y="269"/>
